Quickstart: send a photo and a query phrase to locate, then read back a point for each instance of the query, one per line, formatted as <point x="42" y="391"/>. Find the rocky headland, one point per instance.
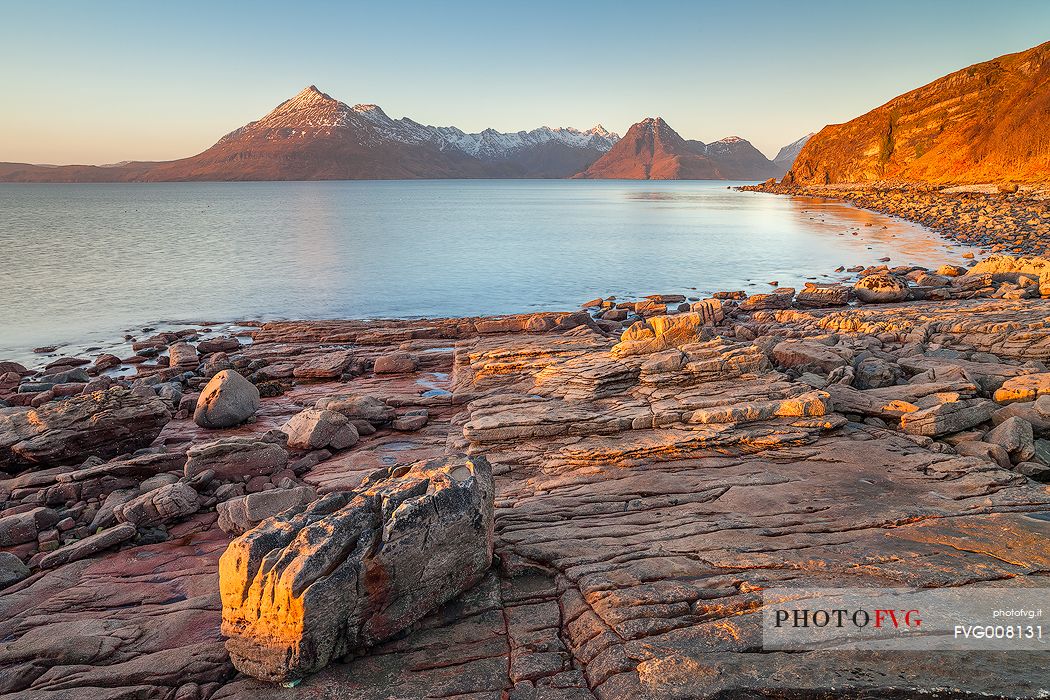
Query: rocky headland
<point x="555" y="505"/>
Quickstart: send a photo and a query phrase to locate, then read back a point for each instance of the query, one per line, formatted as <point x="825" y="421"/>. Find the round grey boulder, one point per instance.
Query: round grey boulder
<point x="881" y="289"/>
<point x="228" y="400"/>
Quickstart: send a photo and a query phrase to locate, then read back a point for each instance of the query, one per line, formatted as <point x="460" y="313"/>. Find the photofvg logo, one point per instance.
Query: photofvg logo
<point x="906" y="619"/>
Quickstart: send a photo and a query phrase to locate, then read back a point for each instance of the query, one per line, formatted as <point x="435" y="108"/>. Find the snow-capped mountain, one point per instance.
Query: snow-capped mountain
<point x="315" y="136"/>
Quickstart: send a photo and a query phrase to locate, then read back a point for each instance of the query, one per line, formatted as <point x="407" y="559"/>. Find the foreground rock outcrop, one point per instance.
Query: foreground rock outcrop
<point x="354" y="569"/>
<point x="643" y="500"/>
<point x="101" y="424"/>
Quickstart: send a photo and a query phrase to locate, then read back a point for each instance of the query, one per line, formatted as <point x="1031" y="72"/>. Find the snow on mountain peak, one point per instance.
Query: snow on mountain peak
<point x="314" y="113"/>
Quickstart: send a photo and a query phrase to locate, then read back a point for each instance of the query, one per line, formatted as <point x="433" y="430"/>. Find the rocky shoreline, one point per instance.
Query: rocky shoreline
<point x="637" y="471"/>
<point x="1016" y="222"/>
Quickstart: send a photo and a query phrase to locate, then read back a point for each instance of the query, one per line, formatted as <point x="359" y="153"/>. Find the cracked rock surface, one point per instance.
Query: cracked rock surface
<point x="642" y="501"/>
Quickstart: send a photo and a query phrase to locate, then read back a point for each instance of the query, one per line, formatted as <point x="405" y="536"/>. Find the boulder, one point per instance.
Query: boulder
<point x="1007" y="268"/>
<point x="806" y="355"/>
<point x="881" y="289"/>
<point x="245" y="512"/>
<point x="103" y="424"/>
<point x="76" y="375"/>
<point x="663" y="332"/>
<point x="984" y="450"/>
<point x="236" y="458"/>
<point x="876" y="373"/>
<point x="219" y="344"/>
<point x="1024" y="388"/>
<point x="1035" y="412"/>
<point x="227" y="400"/>
<point x="159" y="506"/>
<point x="183" y="356"/>
<point x="1034" y="470"/>
<point x="358" y="407"/>
<point x="815" y="297"/>
<point x="948" y="417"/>
<point x="410" y="423"/>
<point x="355" y="568"/>
<point x="88" y="546"/>
<point x="1014" y="435"/>
<point x="780" y="299"/>
<point x="20" y="528"/>
<point x="317" y="428"/>
<point x="9" y="366"/>
<point x="395" y="363"/>
<point x="12" y="570"/>
<point x="106" y="361"/>
<point x="330" y="365"/>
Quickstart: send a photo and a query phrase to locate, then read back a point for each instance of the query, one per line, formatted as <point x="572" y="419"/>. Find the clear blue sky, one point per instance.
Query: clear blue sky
<point x="100" y="81"/>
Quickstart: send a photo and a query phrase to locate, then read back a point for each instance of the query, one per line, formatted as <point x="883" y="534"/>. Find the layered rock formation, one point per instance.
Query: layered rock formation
<point x="985" y="123"/>
<point x="353" y="569"/>
<point x="650" y="481"/>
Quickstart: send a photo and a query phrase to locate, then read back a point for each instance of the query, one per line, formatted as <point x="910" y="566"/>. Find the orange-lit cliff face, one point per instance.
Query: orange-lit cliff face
<point x="986" y="123"/>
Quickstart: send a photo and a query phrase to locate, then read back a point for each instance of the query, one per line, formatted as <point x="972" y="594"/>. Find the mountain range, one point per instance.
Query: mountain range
<point x="987" y="123"/>
<point x="313" y="136"/>
<point x="652" y="150"/>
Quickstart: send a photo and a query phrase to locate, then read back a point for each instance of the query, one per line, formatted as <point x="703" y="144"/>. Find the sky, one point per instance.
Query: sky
<point x="105" y="81"/>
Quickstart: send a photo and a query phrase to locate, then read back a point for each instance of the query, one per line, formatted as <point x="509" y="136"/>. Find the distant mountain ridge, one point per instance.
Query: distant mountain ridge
<point x="313" y="136"/>
<point x="786" y="156"/>
<point x="988" y="123"/>
<point x="652" y="150"/>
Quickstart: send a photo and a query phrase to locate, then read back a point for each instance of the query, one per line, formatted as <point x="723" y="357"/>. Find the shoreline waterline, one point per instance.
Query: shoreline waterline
<point x="626" y="239"/>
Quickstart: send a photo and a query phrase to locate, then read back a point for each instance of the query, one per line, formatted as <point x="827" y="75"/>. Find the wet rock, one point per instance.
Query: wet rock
<point x="881" y="289"/>
<point x="358" y="407"/>
<point x="239" y="514"/>
<point x="159" y="506"/>
<point x="104" y="424"/>
<point x="1016" y="437"/>
<point x="106" y="361"/>
<point x="88" y="546"/>
<point x="236" y="458"/>
<point x="228" y="400"/>
<point x="77" y="375"/>
<point x="395" y="363"/>
<point x="327" y="366"/>
<point x="355" y="568"/>
<point x="315" y="428"/>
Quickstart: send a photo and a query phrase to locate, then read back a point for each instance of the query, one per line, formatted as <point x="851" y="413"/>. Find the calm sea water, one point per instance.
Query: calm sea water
<point x="82" y="262"/>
